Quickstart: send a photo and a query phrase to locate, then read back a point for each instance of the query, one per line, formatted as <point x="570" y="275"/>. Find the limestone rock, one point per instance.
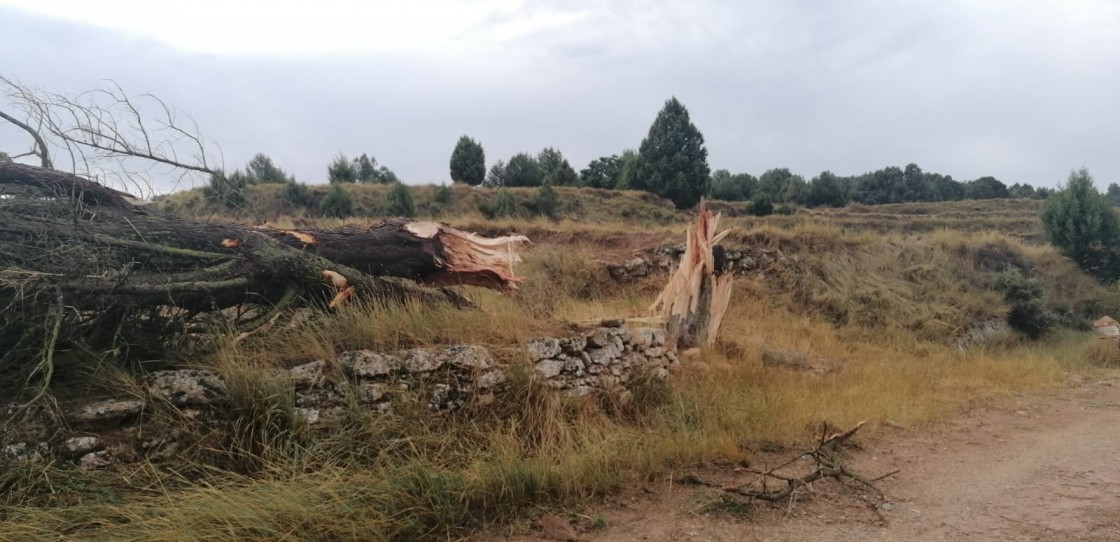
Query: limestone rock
<point x="22" y="451"/>
<point x="187" y="387"/>
<point x="542" y="348"/>
<point x="308" y="375"/>
<point x="421" y="360"/>
<point x="95" y="460"/>
<point x="79" y="446"/>
<point x="490" y="379"/>
<point x="107" y="413"/>
<point x="550" y="368"/>
<point x="573" y="346"/>
<point x="468" y="356"/>
<point x="368" y="364"/>
<point x="371" y="392"/>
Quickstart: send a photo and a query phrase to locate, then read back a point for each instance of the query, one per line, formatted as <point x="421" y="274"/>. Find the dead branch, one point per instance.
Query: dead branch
<point x="826" y="464"/>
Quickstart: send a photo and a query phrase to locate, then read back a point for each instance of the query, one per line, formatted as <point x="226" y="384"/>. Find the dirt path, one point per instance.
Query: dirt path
<point x="1047" y="469"/>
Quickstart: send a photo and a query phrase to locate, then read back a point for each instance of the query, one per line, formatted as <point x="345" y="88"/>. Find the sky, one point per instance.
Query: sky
<point x="1020" y="90"/>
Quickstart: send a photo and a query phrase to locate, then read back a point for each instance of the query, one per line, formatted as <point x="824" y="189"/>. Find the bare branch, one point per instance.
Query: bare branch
<point x="42" y="153"/>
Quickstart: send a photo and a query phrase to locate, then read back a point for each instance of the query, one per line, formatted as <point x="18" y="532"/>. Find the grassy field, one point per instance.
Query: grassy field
<point x="880" y="299"/>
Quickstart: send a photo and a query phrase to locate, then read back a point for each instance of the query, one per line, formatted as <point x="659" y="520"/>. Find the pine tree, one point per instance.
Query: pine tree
<point x="399" y="202"/>
<point x="468" y="162"/>
<point x="672" y="160"/>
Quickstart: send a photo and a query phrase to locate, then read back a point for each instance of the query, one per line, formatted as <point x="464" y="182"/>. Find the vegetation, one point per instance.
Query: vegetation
<point x="468" y="162"/>
<point x="1082" y="223"/>
<point x="399" y="202"/>
<point x="370" y="172"/>
<point x="342" y="170"/>
<point x="338" y="203"/>
<point x="672" y="160"/>
<point x="1027" y="312"/>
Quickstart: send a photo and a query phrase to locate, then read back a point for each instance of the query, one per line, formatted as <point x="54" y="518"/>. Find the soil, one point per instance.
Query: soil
<point x="1034" y="468"/>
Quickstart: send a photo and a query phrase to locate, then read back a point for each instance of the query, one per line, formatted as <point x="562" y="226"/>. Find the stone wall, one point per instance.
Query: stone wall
<point x="96" y="433"/>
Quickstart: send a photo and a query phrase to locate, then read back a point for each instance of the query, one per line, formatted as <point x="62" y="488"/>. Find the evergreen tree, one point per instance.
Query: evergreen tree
<point x="262" y="171"/>
<point x="602" y="172"/>
<point x="1084" y="226"/>
<point x="338" y="203"/>
<point x="523" y="170"/>
<point x="497" y="175"/>
<point x="399" y="202"/>
<point x="468" y="162"/>
<point x="341" y="170"/>
<point x="825" y="189"/>
<point x="672" y="160"/>
<point x="548" y="202"/>
<point x="556" y="168"/>
<point x="367" y="168"/>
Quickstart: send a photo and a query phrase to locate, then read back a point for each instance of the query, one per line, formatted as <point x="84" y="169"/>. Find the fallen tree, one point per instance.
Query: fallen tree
<point x="84" y="266"/>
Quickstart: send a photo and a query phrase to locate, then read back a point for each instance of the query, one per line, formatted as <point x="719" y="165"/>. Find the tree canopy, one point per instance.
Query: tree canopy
<point x="672" y="161"/>
<point x="468" y="162"/>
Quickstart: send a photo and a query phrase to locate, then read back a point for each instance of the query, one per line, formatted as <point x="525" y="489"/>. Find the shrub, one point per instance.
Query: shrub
<point x="503" y="207"/>
<point x="761" y="205"/>
<point x="1083" y="225"/>
<point x="228" y="189"/>
<point x="444" y="194"/>
<point x="399" y="202"/>
<point x="338" y="203"/>
<point x="1027" y="312"/>
<point x="547" y="202"/>
<point x="784" y="209"/>
<point x="298" y="194"/>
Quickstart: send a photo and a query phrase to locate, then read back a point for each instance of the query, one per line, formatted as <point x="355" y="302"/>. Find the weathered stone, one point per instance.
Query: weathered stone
<point x="573" y="345"/>
<point x="96" y="460"/>
<point x="580" y="391"/>
<point x="371" y="392"/>
<point x="310" y="416"/>
<point x="368" y="364"/>
<point x="490" y="379"/>
<point x="421" y="360"/>
<point x="441" y="397"/>
<point x="22" y="451"/>
<point x="655" y="352"/>
<point x="308" y="375"/>
<point x="542" y="348"/>
<point x="573" y="365"/>
<point x="107" y="413"/>
<point x="608" y="381"/>
<point x="595" y="369"/>
<point x="187" y="387"/>
<point x="602" y="337"/>
<point x="550" y="368"/>
<point x="79" y="446"/>
<point x="468" y="356"/>
<point x="618" y="343"/>
<point x="605" y="355"/>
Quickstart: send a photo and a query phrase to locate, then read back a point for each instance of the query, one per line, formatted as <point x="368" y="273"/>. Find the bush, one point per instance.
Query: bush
<point x="1083" y="225"/>
<point x="784" y="209"/>
<point x="399" y="202"/>
<point x="338" y="203"/>
<point x="761" y="205"/>
<point x="503" y="207"/>
<point x="298" y="194"/>
<point x="547" y="202"/>
<point x="1027" y="311"/>
<point x="444" y="194"/>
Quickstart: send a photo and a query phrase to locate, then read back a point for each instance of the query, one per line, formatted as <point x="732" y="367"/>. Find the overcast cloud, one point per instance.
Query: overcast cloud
<point x="1023" y="91"/>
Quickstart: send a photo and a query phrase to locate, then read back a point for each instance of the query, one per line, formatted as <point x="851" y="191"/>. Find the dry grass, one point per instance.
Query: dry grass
<point x="878" y="311"/>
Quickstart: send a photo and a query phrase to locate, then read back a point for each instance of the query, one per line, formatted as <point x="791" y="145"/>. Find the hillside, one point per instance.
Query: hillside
<point x="886" y="314"/>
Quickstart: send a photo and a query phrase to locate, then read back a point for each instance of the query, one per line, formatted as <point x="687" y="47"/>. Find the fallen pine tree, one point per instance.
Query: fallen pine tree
<point x="87" y="267"/>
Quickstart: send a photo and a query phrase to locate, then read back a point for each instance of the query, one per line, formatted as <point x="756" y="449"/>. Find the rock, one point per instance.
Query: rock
<point x="368" y="364"/>
<point x="421" y="360"/>
<point x="442" y="397"/>
<point x="605" y="355"/>
<point x="468" y="356"/>
<point x="79" y="446"/>
<point x="542" y="348"/>
<point x="22" y="451"/>
<point x="642" y="338"/>
<point x="490" y="379"/>
<point x="310" y="416"/>
<point x="573" y="365"/>
<point x="887" y="507"/>
<point x="95" y="460"/>
<point x="550" y="368"/>
<point x="107" y="413"/>
<point x="655" y="352"/>
<point x="371" y="392"/>
<point x="601" y="337"/>
<point x="573" y="346"/>
<point x="36" y="422"/>
<point x="308" y="375"/>
<point x="187" y="387"/>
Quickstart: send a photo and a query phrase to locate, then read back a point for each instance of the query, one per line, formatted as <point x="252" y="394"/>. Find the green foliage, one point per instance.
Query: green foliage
<point x="523" y="170"/>
<point x="261" y="170"/>
<point x="602" y="172"/>
<point x="228" y="189"/>
<point x="1083" y="225"/>
<point x="497" y="175"/>
<point x="672" y="160"/>
<point x="627" y="170"/>
<point x="986" y="188"/>
<point x="826" y="190"/>
<point x="547" y="202"/>
<point x="1026" y="191"/>
<point x="504" y="206"/>
<point x="468" y="162"/>
<point x="1113" y="194"/>
<point x="1027" y="311"/>
<point x="399" y="202"/>
<point x="338" y="203"/>
<point x="298" y="194"/>
<point x="369" y="172"/>
<point x="557" y="170"/>
<point x="783" y="186"/>
<point x="444" y="194"/>
<point x="342" y="170"/>
<point x="727" y="187"/>
<point x="761" y="205"/>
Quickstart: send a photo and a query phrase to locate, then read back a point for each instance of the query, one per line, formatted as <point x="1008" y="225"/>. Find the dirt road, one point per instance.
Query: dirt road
<point x="1037" y="469"/>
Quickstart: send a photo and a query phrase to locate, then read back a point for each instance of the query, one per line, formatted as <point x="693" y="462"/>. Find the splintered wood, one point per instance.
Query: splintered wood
<point x="697" y="296"/>
<point x="471" y="259"/>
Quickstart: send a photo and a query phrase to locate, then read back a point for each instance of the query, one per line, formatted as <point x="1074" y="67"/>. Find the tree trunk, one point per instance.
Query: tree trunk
<point x="117" y="264"/>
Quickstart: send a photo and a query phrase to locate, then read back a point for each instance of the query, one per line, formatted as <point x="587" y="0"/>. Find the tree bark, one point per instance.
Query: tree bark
<point x="116" y="263"/>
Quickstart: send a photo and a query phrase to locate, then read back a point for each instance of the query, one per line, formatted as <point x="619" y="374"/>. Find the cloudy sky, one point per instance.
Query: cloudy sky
<point x="1021" y="90"/>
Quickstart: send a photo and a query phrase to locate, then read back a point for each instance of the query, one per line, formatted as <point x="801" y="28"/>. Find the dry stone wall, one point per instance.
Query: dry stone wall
<point x="96" y="433"/>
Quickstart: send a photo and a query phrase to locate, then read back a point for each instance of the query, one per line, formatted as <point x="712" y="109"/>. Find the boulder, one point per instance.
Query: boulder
<point x="187" y="387"/>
